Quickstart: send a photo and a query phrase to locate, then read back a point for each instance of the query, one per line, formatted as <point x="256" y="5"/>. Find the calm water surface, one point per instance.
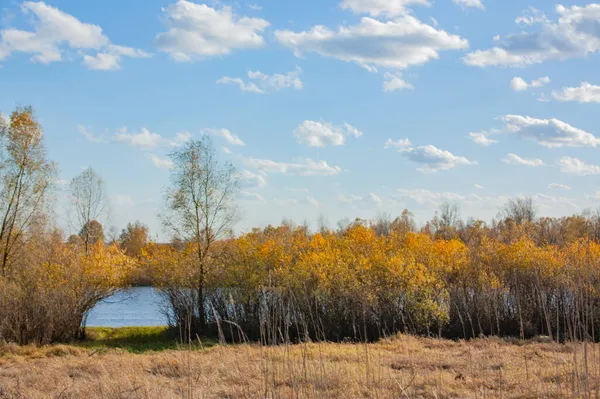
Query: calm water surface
<point x="131" y="308"/>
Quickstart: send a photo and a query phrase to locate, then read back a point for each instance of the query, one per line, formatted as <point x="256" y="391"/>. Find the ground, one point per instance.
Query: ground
<point x="144" y="363"/>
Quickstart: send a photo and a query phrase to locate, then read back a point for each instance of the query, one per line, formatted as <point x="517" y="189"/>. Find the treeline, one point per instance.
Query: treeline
<point x="366" y="281"/>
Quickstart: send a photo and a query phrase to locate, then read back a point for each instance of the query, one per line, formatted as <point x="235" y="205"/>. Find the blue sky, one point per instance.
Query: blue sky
<point x="346" y="108"/>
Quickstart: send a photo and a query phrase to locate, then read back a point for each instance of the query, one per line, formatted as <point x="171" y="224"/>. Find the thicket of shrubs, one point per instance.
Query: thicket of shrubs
<point x="516" y="278"/>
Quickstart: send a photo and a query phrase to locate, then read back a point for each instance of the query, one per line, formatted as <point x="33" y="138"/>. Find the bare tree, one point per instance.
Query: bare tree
<point x="201" y="205"/>
<point x="26" y="177"/>
<point x="447" y="222"/>
<point x="520" y="210"/>
<point x="89" y="204"/>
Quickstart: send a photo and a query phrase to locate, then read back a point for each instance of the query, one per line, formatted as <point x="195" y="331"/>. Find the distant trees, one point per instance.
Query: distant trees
<point x="26" y="177"/>
<point x="88" y="204"/>
<point x="200" y="209"/>
<point x="134" y="238"/>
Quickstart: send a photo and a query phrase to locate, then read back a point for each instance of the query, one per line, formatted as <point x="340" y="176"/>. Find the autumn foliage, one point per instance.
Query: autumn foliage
<point x="286" y="283"/>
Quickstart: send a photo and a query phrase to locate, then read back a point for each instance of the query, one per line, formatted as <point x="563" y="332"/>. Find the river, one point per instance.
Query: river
<point x="135" y="307"/>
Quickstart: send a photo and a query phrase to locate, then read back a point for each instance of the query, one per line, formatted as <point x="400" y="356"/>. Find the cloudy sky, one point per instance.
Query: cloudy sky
<point x="345" y="108"/>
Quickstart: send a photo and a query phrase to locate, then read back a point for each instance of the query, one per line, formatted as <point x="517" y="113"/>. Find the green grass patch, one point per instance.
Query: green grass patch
<point x="137" y="339"/>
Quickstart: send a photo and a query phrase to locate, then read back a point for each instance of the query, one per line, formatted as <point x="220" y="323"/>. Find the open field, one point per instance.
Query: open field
<point x="403" y="366"/>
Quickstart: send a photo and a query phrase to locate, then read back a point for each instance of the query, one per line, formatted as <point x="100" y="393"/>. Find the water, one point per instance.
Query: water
<point x="136" y="307"/>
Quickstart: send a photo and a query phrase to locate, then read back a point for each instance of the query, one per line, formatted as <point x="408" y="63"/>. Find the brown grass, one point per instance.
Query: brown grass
<point x="404" y="366"/>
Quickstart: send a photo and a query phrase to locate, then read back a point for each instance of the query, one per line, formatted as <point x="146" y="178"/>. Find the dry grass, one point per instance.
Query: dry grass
<point x="405" y="366"/>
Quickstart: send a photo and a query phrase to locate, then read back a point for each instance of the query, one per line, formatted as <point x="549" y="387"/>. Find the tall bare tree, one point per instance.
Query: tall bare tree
<point x="26" y="177"/>
<point x="520" y="210"/>
<point x="201" y="205"/>
<point x="89" y="204"/>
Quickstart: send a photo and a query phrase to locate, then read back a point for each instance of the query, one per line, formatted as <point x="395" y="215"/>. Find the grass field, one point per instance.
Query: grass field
<point x="143" y="363"/>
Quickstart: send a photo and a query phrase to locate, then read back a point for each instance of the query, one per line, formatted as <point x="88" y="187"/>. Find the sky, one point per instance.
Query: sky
<point x="341" y="108"/>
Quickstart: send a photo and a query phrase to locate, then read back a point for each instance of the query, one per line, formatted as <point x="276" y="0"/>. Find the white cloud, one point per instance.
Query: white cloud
<point x="255" y="7"/>
<point x="585" y="93"/>
<point x="470" y="3"/>
<point x="247" y="87"/>
<point x="577" y="167"/>
<point x="252" y="179"/>
<point x="422" y="196"/>
<point x="312" y="201"/>
<point x="479" y="187"/>
<point x="56" y="32"/>
<point x="231" y="138"/>
<point x="398" y="44"/>
<point x="576" y="33"/>
<point x="393" y="82"/>
<point x="256" y="196"/>
<point x="365" y="202"/>
<point x="147" y="140"/>
<point x="262" y="83"/>
<point x="398" y="144"/>
<point x="123" y="200"/>
<point x="88" y="135"/>
<point x="512" y="159"/>
<point x="197" y="31"/>
<point x="305" y="167"/>
<point x="162" y="163"/>
<point x="376" y="8"/>
<point x="321" y="134"/>
<point x="551" y="133"/>
<point x="560" y="186"/>
<point x="519" y="84"/>
<point x="482" y="138"/>
<point x="434" y="159"/>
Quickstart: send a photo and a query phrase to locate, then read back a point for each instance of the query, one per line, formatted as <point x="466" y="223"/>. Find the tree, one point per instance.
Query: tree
<point x="26" y="177"/>
<point x="200" y="206"/>
<point x="447" y="222"/>
<point x="89" y="204"/>
<point x="92" y="233"/>
<point x="520" y="210"/>
<point x="134" y="238"/>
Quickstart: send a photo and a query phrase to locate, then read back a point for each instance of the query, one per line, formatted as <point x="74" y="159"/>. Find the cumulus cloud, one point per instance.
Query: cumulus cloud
<point x="56" y="33"/>
<point x="262" y="83"/>
<point x="512" y="159"/>
<point x="577" y="167"/>
<point x="367" y="201"/>
<point x="482" y="138"/>
<point x="560" y="186"/>
<point x="397" y="44"/>
<point x="90" y="136"/>
<point x="394" y="82"/>
<point x="398" y="144"/>
<point x="576" y="33"/>
<point x="251" y="179"/>
<point x="162" y="163"/>
<point x="305" y="167"/>
<point x="551" y="133"/>
<point x="147" y="140"/>
<point x="585" y="93"/>
<point x="469" y="3"/>
<point x="519" y="84"/>
<point x="321" y="134"/>
<point x="231" y="138"/>
<point x="377" y="8"/>
<point x="434" y="159"/>
<point x="197" y="31"/>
